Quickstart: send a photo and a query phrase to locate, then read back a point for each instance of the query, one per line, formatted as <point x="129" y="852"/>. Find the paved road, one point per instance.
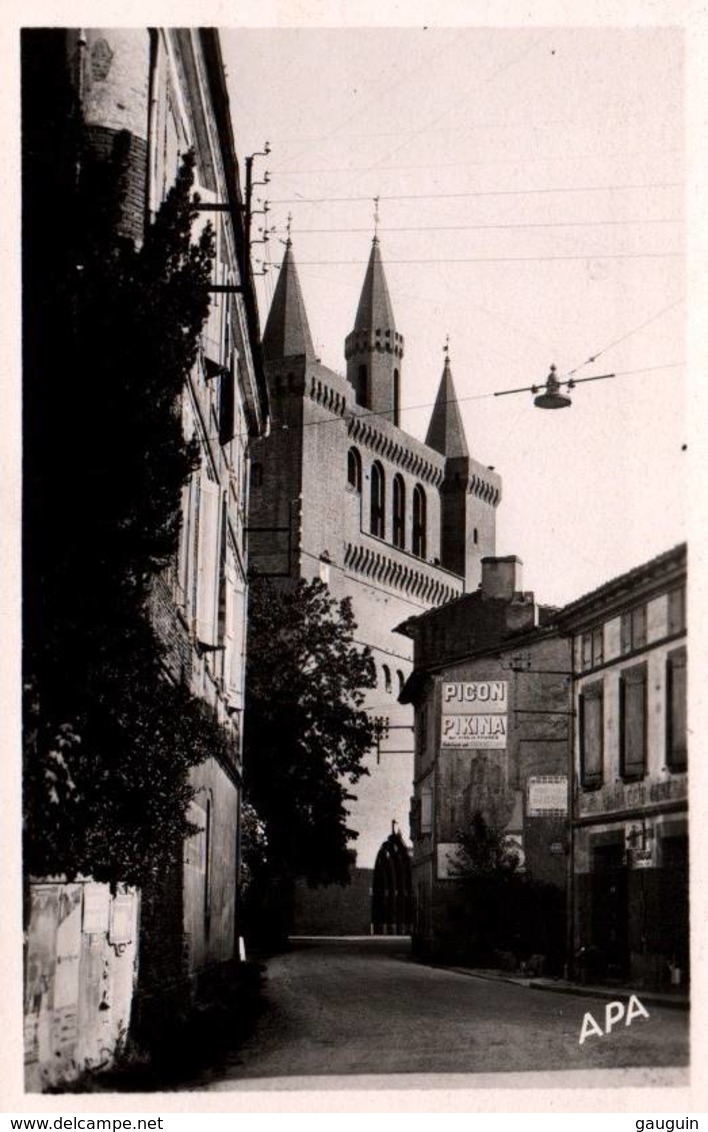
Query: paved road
<point x="364" y="1007"/>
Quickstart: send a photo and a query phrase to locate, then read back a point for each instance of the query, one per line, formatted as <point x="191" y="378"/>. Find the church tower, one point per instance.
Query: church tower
<point x="340" y="492"/>
<point x="374" y="348"/>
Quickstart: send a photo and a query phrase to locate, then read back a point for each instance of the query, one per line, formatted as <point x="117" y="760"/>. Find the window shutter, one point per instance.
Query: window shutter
<point x="208" y="561"/>
<point x="426" y="810"/>
<point x="235" y="613"/>
<point x="676" y="745"/>
<point x="212" y="337"/>
<point x="633" y="725"/>
<point x="626" y="633"/>
<point x="591" y="736"/>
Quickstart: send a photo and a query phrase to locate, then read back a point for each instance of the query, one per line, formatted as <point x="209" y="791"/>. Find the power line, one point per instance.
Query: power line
<point x="493" y="227"/>
<point x="485" y="193"/>
<point x="495" y="259"/>
<point x="429" y="404"/>
<point x="629" y="334"/>
<point x="460" y="164"/>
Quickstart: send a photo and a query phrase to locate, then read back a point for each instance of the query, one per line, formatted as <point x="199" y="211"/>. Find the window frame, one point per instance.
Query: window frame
<point x="633" y="629"/>
<point x="591" y="693"/>
<point x="676" y="757"/>
<point x="377" y="501"/>
<point x="634" y="676"/>
<point x="354" y="463"/>
<point x="399" y="511"/>
<point x="419" y="542"/>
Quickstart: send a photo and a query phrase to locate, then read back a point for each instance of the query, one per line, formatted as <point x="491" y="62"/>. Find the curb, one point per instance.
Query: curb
<point x="579" y="989"/>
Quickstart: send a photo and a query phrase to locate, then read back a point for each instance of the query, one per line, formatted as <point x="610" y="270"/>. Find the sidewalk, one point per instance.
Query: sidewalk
<point x="678" y="999"/>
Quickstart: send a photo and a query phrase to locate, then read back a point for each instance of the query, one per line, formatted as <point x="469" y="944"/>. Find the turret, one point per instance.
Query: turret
<point x="374" y="348"/>
<point x="287" y="331"/>
<point x="469" y="493"/>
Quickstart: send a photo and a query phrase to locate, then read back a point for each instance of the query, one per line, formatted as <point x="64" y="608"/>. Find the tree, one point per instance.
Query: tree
<point x="506" y="915"/>
<point x="111" y="334"/>
<point x="483" y="850"/>
<point x="306" y="732"/>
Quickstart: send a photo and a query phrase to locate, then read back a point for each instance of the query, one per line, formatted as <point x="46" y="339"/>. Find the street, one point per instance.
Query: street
<point x="344" y="1007"/>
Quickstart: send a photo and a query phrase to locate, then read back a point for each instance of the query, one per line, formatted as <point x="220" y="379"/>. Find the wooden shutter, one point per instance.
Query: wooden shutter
<point x="633" y="722"/>
<point x="676" y="730"/>
<point x="591" y="735"/>
<point x="208" y="561"/>
<point x="212" y="332"/>
<point x="234" y="637"/>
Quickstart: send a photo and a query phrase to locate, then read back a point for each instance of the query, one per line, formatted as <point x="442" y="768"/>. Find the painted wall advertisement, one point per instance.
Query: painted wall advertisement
<point x="474" y="714"/>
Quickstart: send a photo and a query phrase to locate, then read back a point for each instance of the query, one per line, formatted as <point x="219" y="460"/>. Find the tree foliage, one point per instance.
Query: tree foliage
<point x="483" y="850"/>
<point x="111" y="333"/>
<point x="306" y="732"/>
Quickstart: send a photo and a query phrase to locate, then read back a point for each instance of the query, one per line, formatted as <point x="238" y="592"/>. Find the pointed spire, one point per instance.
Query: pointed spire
<point x="446" y="432"/>
<point x="375" y="311"/>
<point x="287" y="332"/>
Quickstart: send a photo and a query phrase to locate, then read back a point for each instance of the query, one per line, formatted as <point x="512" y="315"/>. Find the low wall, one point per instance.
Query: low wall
<point x="80" y="966"/>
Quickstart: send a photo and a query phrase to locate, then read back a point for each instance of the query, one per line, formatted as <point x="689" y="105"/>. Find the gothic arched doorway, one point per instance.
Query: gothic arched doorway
<point x="392" y="902"/>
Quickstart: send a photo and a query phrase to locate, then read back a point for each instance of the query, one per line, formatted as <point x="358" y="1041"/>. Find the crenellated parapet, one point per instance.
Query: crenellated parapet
<point x="387" y="441"/>
<point x="428" y="585"/>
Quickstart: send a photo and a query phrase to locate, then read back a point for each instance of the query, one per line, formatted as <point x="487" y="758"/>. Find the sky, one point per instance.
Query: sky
<point x="531" y="184"/>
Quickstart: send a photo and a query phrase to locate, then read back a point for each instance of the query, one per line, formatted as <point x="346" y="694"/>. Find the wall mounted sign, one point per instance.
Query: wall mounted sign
<point x="547" y="796"/>
<point x="474" y="714"/>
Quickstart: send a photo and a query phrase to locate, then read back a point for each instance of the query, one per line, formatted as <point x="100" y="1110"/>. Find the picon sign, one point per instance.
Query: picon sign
<point x="474" y="714"/>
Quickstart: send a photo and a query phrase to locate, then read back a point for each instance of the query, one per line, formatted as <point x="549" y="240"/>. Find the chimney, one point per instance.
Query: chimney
<point x="501" y="577"/>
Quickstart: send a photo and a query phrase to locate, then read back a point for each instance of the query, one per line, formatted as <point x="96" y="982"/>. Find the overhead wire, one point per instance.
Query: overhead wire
<point x="566" y="157"/>
<point x="364" y="415"/>
<point x="482" y="193"/>
<point x="492" y="227"/>
<point x="494" y="259"/>
<point x="624" y="337"/>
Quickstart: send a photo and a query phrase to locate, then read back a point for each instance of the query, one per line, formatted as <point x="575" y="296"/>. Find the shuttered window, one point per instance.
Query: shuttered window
<point x="426" y="810"/>
<point x="676" y="730"/>
<point x="633" y="722"/>
<point x="633" y="629"/>
<point x="591" y="708"/>
<point x="208" y="562"/>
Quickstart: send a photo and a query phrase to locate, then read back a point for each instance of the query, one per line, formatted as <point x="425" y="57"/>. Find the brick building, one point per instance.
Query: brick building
<point x="157" y="94"/>
<point x="491" y="692"/>
<point x="340" y="491"/>
<point x="630" y="789"/>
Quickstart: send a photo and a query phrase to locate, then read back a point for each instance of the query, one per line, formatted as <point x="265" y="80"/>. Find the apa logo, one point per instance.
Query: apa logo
<point x="614" y="1013"/>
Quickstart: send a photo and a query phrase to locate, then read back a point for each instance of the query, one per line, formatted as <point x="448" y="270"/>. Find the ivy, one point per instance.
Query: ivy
<point x="112" y="333"/>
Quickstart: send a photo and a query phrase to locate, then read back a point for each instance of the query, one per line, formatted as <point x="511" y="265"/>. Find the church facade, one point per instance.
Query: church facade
<point x="341" y="492"/>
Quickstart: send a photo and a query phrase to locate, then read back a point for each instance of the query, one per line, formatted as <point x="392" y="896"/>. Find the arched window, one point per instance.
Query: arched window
<point x="476" y="536"/>
<point x="362" y="386"/>
<point x="378" y="500"/>
<point x="401" y="681"/>
<point x="386" y="677"/>
<point x="419" y="522"/>
<point x="399" y="512"/>
<point x="396" y="397"/>
<point x="354" y="469"/>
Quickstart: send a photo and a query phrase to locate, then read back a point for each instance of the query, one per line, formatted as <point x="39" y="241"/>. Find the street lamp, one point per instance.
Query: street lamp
<point x="548" y="395"/>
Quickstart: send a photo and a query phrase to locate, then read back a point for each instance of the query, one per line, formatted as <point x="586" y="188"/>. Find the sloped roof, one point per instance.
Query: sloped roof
<point x="287" y="331"/>
<point x="374" y="311"/>
<point x="446" y="432"/>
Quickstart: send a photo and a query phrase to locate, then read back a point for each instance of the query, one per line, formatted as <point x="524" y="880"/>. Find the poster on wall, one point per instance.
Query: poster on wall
<point x="474" y="714"/>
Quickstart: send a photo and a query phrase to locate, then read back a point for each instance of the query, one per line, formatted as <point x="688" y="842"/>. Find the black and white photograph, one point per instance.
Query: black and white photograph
<point x="359" y="429"/>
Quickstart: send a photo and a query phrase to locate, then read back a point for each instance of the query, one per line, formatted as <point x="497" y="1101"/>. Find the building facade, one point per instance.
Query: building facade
<point x="341" y="492"/>
<point x="491" y="692"/>
<point x="629" y="820"/>
<point x="155" y="95"/>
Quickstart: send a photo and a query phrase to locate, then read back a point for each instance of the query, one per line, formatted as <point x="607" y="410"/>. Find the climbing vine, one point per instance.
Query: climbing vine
<point x="112" y="332"/>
